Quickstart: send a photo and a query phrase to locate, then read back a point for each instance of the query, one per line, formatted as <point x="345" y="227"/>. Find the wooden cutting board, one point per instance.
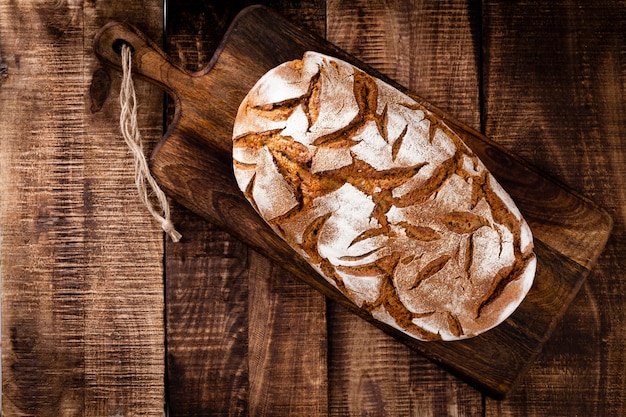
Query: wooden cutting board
<point x="193" y="164"/>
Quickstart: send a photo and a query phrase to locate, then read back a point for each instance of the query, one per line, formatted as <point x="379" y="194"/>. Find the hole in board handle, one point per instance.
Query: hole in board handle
<point x="117" y="46"/>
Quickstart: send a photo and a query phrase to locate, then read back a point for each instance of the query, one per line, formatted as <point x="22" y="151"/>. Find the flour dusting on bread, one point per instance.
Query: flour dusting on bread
<point x="382" y="198"/>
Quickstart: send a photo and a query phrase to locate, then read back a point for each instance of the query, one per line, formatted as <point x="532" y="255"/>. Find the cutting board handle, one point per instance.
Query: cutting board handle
<point x="148" y="60"/>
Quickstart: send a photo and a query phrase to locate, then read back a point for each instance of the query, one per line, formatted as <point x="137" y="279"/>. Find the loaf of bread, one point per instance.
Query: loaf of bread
<point x="382" y="198"/>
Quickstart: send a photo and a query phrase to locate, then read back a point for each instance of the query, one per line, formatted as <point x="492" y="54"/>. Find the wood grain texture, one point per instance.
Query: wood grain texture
<point x="207" y="321"/>
<point x="81" y="260"/>
<point x="287" y="344"/>
<point x="248" y="351"/>
<point x="369" y="372"/>
<point x="555" y="93"/>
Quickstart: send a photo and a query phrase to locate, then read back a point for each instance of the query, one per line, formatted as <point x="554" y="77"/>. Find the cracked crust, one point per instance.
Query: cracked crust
<point x="382" y="198"/>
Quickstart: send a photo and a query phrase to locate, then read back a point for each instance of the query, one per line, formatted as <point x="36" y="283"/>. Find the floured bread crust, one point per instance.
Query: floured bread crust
<point x="382" y="198"/>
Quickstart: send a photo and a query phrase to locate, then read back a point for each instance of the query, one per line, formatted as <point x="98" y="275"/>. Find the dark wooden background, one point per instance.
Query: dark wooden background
<point x="87" y="276"/>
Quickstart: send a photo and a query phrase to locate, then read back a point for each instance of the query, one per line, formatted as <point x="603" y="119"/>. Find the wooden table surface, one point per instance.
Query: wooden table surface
<point x="102" y="316"/>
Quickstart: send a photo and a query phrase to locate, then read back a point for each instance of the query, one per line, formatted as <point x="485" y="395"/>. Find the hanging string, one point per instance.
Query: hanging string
<point x="132" y="136"/>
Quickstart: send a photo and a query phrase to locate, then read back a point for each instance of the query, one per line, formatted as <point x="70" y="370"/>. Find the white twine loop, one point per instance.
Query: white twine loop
<point x="132" y="136"/>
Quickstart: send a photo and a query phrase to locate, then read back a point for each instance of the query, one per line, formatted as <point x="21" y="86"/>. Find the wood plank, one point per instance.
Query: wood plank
<point x="81" y="259"/>
<point x="555" y="80"/>
<point x="288" y="331"/>
<point x="287" y="344"/>
<point x="206" y="273"/>
<point x="370" y="372"/>
<point x="261" y="350"/>
<point x="207" y="321"/>
<point x="412" y="43"/>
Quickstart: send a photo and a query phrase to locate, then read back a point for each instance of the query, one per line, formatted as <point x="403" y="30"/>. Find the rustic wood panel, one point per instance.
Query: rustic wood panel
<point x="193" y="163"/>
<point x="81" y="262"/>
<point x="555" y="93"/>
<point x="82" y="302"/>
<point x="432" y="49"/>
<point x="260" y="349"/>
